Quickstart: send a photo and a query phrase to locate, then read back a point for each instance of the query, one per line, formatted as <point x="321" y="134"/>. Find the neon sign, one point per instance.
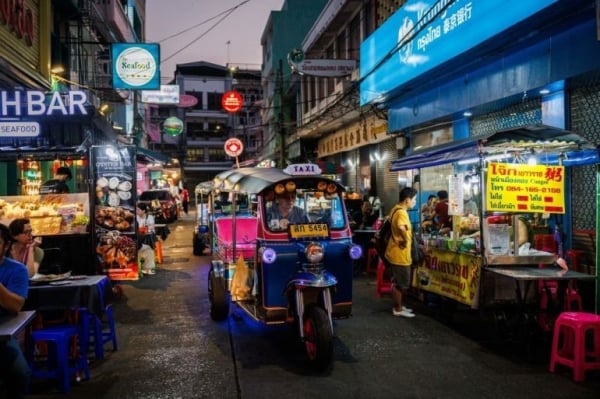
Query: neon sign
<point x="36" y="103"/>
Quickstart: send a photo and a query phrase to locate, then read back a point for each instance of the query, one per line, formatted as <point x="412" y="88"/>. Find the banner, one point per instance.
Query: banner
<point x="450" y="274"/>
<point x="114" y="177"/>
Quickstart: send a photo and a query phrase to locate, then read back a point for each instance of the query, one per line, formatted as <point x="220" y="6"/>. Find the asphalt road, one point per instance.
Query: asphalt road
<point x="170" y="348"/>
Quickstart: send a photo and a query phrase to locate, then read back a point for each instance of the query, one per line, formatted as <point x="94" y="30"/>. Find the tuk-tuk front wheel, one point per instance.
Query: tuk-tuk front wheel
<point x="217" y="296"/>
<point x="318" y="338"/>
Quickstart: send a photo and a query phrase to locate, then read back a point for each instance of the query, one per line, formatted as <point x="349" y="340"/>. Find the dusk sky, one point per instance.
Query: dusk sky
<point x="198" y="30"/>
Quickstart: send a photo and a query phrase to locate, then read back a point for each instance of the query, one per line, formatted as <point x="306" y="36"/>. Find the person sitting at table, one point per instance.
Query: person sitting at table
<point x="24" y="247"/>
<point x="365" y="218"/>
<point x="284" y="212"/>
<point x="146" y="239"/>
<point x="14" y="285"/>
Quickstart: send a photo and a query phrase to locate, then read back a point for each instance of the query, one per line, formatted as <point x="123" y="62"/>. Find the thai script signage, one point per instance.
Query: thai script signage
<point x="424" y="34"/>
<point x="525" y="188"/>
<point x="450" y="274"/>
<point x="135" y="66"/>
<point x="168" y="94"/>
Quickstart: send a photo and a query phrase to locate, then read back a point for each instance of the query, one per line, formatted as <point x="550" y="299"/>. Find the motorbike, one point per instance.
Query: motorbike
<point x="279" y="268"/>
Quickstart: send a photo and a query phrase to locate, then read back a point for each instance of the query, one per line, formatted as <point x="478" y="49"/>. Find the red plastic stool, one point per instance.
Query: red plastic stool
<point x="372" y="260"/>
<point x="576" y="343"/>
<point x="574" y="256"/>
<point x="383" y="285"/>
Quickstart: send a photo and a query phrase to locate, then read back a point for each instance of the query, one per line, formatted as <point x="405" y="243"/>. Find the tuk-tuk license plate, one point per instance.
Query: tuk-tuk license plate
<point x="312" y="230"/>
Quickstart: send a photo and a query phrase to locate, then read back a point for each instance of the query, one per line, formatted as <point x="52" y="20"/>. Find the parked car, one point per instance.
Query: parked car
<point x="161" y="204"/>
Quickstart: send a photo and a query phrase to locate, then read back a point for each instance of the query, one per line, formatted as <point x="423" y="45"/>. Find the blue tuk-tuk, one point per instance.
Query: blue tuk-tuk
<point x="283" y="265"/>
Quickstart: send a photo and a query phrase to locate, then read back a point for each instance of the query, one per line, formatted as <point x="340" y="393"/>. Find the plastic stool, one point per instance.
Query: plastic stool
<point x="573" y="302"/>
<point x="103" y="328"/>
<point x="575" y="256"/>
<point x="158" y="253"/>
<point x="569" y="348"/>
<point x="372" y="260"/>
<point x="383" y="285"/>
<point x="57" y="363"/>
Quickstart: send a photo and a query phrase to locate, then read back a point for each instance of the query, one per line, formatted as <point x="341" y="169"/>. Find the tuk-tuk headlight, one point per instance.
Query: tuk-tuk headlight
<point x="355" y="251"/>
<point x="268" y="255"/>
<point x="314" y="252"/>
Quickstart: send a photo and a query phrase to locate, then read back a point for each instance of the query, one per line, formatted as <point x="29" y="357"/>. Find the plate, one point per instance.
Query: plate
<point x="62" y="282"/>
<point x="48" y="278"/>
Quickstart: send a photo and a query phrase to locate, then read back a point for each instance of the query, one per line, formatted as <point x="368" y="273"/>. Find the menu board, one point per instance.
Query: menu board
<point x="113" y="173"/>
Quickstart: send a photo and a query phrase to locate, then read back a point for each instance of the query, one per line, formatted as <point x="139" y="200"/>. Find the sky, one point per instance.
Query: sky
<point x="216" y="31"/>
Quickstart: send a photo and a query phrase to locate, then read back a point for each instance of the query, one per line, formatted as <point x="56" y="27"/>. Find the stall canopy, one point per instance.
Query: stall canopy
<point x="550" y="145"/>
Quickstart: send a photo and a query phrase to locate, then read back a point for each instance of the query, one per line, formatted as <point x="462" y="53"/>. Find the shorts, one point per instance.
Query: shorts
<point x="401" y="276"/>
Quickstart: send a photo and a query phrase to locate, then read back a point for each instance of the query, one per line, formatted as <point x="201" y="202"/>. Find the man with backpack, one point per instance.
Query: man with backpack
<point x="398" y="250"/>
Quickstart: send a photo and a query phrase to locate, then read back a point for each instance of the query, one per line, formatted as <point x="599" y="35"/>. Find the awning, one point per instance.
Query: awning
<point x="552" y="146"/>
<point x="148" y="156"/>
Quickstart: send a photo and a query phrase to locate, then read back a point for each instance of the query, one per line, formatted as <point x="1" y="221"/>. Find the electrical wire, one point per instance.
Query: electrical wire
<point x="227" y="14"/>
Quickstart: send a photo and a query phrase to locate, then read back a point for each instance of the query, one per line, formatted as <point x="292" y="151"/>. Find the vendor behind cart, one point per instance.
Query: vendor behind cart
<point x="57" y="185"/>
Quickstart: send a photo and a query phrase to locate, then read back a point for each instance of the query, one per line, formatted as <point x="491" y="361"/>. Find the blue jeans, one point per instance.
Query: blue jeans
<point x="14" y="370"/>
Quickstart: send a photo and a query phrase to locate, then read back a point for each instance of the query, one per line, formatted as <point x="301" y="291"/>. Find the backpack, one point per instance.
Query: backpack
<point x="382" y="237"/>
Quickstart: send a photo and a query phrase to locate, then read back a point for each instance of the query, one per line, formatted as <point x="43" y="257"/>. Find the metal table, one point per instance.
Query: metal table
<point x="11" y="325"/>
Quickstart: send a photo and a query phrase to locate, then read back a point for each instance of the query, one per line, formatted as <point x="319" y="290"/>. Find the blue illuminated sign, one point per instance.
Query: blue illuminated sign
<point x="136" y="66"/>
<point x="426" y="33"/>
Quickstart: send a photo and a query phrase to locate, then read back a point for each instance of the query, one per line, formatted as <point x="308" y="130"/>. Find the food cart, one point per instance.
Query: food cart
<point x="516" y="178"/>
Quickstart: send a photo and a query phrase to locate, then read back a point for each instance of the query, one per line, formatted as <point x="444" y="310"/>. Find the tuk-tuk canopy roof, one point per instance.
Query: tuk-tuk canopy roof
<point x="551" y="145"/>
<point x="204" y="187"/>
<point x="254" y="180"/>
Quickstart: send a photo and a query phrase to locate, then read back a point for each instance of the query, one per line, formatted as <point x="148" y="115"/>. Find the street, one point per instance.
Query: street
<point x="170" y="348"/>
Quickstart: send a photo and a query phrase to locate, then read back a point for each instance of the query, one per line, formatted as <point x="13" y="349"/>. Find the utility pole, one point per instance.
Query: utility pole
<point x="280" y="126"/>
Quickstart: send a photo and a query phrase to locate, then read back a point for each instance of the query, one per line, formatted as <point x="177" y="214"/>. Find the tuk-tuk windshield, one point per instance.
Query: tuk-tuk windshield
<point x="304" y="207"/>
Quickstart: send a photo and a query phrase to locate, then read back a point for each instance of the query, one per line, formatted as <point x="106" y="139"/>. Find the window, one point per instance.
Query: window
<point x="214" y="101"/>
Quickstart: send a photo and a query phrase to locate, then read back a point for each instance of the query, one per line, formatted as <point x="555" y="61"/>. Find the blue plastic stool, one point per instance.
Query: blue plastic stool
<point x="103" y="329"/>
<point x="58" y="339"/>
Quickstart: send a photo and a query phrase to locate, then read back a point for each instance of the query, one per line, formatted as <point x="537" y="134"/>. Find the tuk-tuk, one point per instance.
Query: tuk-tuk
<point x="286" y="256"/>
<point x="201" y="238"/>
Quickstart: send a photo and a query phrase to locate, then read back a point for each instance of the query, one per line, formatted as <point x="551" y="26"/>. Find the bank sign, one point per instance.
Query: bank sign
<point x="423" y="34"/>
<point x="19" y="109"/>
<point x="135" y="66"/>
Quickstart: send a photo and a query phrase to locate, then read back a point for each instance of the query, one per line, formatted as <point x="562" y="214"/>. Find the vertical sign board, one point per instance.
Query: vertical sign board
<point x="114" y="181"/>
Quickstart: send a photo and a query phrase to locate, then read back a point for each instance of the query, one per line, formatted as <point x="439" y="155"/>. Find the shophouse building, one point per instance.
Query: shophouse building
<point x="284" y="32"/>
<point x="63" y="47"/>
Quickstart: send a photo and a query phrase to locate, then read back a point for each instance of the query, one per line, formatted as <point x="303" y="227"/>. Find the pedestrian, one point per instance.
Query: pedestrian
<point x="185" y="199"/>
<point x="14" y="285"/>
<point x="398" y="251"/>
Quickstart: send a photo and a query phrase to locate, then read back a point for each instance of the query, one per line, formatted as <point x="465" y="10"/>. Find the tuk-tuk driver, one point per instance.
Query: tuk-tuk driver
<point x="284" y="212"/>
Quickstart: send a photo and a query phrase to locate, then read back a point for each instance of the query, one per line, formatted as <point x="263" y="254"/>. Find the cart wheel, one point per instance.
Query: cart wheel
<point x="318" y="338"/>
<point x="219" y="307"/>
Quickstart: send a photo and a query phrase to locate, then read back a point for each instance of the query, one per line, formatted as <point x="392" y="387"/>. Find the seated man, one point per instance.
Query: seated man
<point x="14" y="284"/>
<point x="284" y="212"/>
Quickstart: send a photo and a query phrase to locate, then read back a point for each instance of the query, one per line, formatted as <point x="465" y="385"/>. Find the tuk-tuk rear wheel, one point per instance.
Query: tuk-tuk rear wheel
<point x="318" y="338"/>
<point x="219" y="307"/>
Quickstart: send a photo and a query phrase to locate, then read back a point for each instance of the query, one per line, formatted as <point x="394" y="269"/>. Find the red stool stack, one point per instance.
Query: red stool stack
<point x="576" y="343"/>
<point x="383" y="285"/>
<point x="372" y="260"/>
